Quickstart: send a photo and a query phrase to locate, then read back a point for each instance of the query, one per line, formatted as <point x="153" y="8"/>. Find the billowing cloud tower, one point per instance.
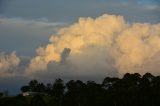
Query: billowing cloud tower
<point x="107" y="44"/>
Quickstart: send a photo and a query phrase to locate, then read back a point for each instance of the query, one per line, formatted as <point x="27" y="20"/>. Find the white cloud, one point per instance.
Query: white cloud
<point x="107" y="45"/>
<point x="8" y="63"/>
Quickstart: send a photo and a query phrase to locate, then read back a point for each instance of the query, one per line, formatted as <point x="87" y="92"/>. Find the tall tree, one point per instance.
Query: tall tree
<point x="33" y="85"/>
<point x="58" y="88"/>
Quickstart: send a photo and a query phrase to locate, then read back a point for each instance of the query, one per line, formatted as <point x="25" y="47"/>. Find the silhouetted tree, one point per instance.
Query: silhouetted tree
<point x="48" y="89"/>
<point x="146" y="81"/>
<point x="25" y="88"/>
<point x="58" y="88"/>
<point x="131" y="90"/>
<point x="131" y="80"/>
<point x="109" y="82"/>
<point x="33" y="85"/>
<point x="75" y="93"/>
<point x="40" y="87"/>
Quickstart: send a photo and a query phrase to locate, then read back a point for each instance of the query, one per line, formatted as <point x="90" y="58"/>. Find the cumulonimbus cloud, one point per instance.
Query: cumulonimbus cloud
<point x="107" y="42"/>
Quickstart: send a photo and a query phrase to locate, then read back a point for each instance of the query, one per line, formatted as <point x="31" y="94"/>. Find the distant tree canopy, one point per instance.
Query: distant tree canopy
<point x="130" y="90"/>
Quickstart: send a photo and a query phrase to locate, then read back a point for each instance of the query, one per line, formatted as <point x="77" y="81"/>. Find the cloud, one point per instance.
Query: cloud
<point x="135" y="46"/>
<point x="18" y="32"/>
<point x="104" y="46"/>
<point x="107" y="45"/>
<point x="8" y="63"/>
<point x="151" y="7"/>
<point x="55" y="10"/>
<point x="43" y="22"/>
<point x="64" y="55"/>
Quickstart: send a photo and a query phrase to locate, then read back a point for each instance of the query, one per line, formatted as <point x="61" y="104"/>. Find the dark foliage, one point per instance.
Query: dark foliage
<point x="131" y="90"/>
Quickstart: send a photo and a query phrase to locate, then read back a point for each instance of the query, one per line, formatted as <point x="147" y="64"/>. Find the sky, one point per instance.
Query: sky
<point x="77" y="39"/>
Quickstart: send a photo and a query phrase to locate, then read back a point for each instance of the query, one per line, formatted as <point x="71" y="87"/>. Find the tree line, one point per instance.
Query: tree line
<point x="131" y="90"/>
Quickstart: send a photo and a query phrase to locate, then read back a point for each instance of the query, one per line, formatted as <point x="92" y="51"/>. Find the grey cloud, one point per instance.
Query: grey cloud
<point x="25" y="36"/>
<point x="92" y="66"/>
<point x="70" y="10"/>
<point x="64" y="55"/>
